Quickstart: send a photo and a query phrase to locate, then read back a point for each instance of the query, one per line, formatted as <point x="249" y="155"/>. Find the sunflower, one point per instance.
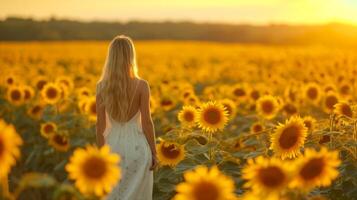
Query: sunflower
<point x="91" y="108"/>
<point x="28" y="92"/>
<point x="40" y="82"/>
<point x="83" y="92"/>
<point x="192" y="100"/>
<point x="266" y="177"/>
<point x="312" y="92"/>
<point x="51" y="93"/>
<point x="212" y="116"/>
<point x="15" y="95"/>
<point x="187" y="93"/>
<point x="167" y="103"/>
<point x="310" y="123"/>
<point x="48" y="129"/>
<point x="10" y="143"/>
<point x="239" y="92"/>
<point x="35" y="111"/>
<point x="343" y="108"/>
<point x="290" y="109"/>
<point x="254" y="94"/>
<point x="187" y="116"/>
<point x="288" y="138"/>
<point x="59" y="141"/>
<point x="205" y="184"/>
<point x="230" y="107"/>
<point x="170" y="153"/>
<point x="10" y="79"/>
<point x="316" y="169"/>
<point x="257" y="127"/>
<point x="95" y="171"/>
<point x="66" y="81"/>
<point x="330" y="100"/>
<point x="267" y="106"/>
<point x="345" y="90"/>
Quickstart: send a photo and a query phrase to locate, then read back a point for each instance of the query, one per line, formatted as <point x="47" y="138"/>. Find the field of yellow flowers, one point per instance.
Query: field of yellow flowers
<point x="232" y="121"/>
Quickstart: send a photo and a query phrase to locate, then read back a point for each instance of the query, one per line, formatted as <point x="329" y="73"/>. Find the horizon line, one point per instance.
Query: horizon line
<point x="273" y="23"/>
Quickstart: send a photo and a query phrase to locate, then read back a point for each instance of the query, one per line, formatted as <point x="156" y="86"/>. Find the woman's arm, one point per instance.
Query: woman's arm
<point x="100" y="125"/>
<point x="146" y="121"/>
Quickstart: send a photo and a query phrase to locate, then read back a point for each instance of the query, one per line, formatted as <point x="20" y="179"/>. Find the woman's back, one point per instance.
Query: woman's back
<point x="128" y="140"/>
<point x="124" y="122"/>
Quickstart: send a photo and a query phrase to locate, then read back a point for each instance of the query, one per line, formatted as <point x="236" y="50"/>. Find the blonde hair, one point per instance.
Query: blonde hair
<point x="119" y="69"/>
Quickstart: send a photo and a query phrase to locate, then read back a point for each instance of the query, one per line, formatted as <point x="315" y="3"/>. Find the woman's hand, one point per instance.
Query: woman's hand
<point x="155" y="162"/>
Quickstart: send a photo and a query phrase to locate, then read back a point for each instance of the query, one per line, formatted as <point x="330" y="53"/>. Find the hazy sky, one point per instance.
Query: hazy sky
<point x="231" y="11"/>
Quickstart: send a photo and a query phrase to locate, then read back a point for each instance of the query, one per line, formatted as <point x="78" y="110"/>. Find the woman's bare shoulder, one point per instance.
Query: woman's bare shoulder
<point x="144" y="84"/>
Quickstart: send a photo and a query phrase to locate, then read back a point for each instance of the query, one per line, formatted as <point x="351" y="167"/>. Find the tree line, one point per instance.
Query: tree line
<point x="28" y="29"/>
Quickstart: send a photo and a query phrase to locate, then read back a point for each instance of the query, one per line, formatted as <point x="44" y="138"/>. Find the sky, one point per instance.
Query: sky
<point x="226" y="11"/>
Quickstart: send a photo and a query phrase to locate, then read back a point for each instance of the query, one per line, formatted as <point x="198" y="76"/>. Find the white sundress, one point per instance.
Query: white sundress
<point x="128" y="140"/>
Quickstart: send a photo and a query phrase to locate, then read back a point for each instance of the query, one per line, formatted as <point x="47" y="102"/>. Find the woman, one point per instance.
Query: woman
<point x="124" y="121"/>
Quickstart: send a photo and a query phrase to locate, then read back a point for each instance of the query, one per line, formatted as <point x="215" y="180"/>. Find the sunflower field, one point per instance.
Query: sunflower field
<point x="232" y="121"/>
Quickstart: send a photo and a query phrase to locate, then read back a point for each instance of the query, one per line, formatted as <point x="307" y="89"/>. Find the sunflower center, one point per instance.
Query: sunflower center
<point x="290" y="109"/>
<point x="186" y="94"/>
<point x="49" y="128"/>
<point x="51" y="93"/>
<point x="324" y="139"/>
<point x="15" y="95"/>
<point x="345" y="89"/>
<point x="255" y="95"/>
<point x="36" y="109"/>
<point x="239" y="92"/>
<point x="60" y="139"/>
<point x="206" y="191"/>
<point x="40" y="84"/>
<point x="331" y="101"/>
<point x="189" y="116"/>
<point x="312" y="93"/>
<point x="166" y="102"/>
<point x="271" y="176"/>
<point x="27" y="94"/>
<point x="94" y="167"/>
<point x="267" y="107"/>
<point x="257" y="128"/>
<point x="10" y="81"/>
<point x="312" y="169"/>
<point x="212" y="116"/>
<point x="289" y="137"/>
<point x="346" y="110"/>
<point x="170" y="151"/>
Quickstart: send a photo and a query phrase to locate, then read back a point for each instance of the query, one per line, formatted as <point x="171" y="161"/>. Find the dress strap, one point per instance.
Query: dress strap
<point x="131" y="100"/>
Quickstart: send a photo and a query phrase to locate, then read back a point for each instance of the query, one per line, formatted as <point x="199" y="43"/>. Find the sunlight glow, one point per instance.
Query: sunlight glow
<point x="231" y="11"/>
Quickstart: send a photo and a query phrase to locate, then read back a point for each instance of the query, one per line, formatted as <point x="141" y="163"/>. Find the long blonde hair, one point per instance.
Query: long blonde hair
<point x="119" y="69"/>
